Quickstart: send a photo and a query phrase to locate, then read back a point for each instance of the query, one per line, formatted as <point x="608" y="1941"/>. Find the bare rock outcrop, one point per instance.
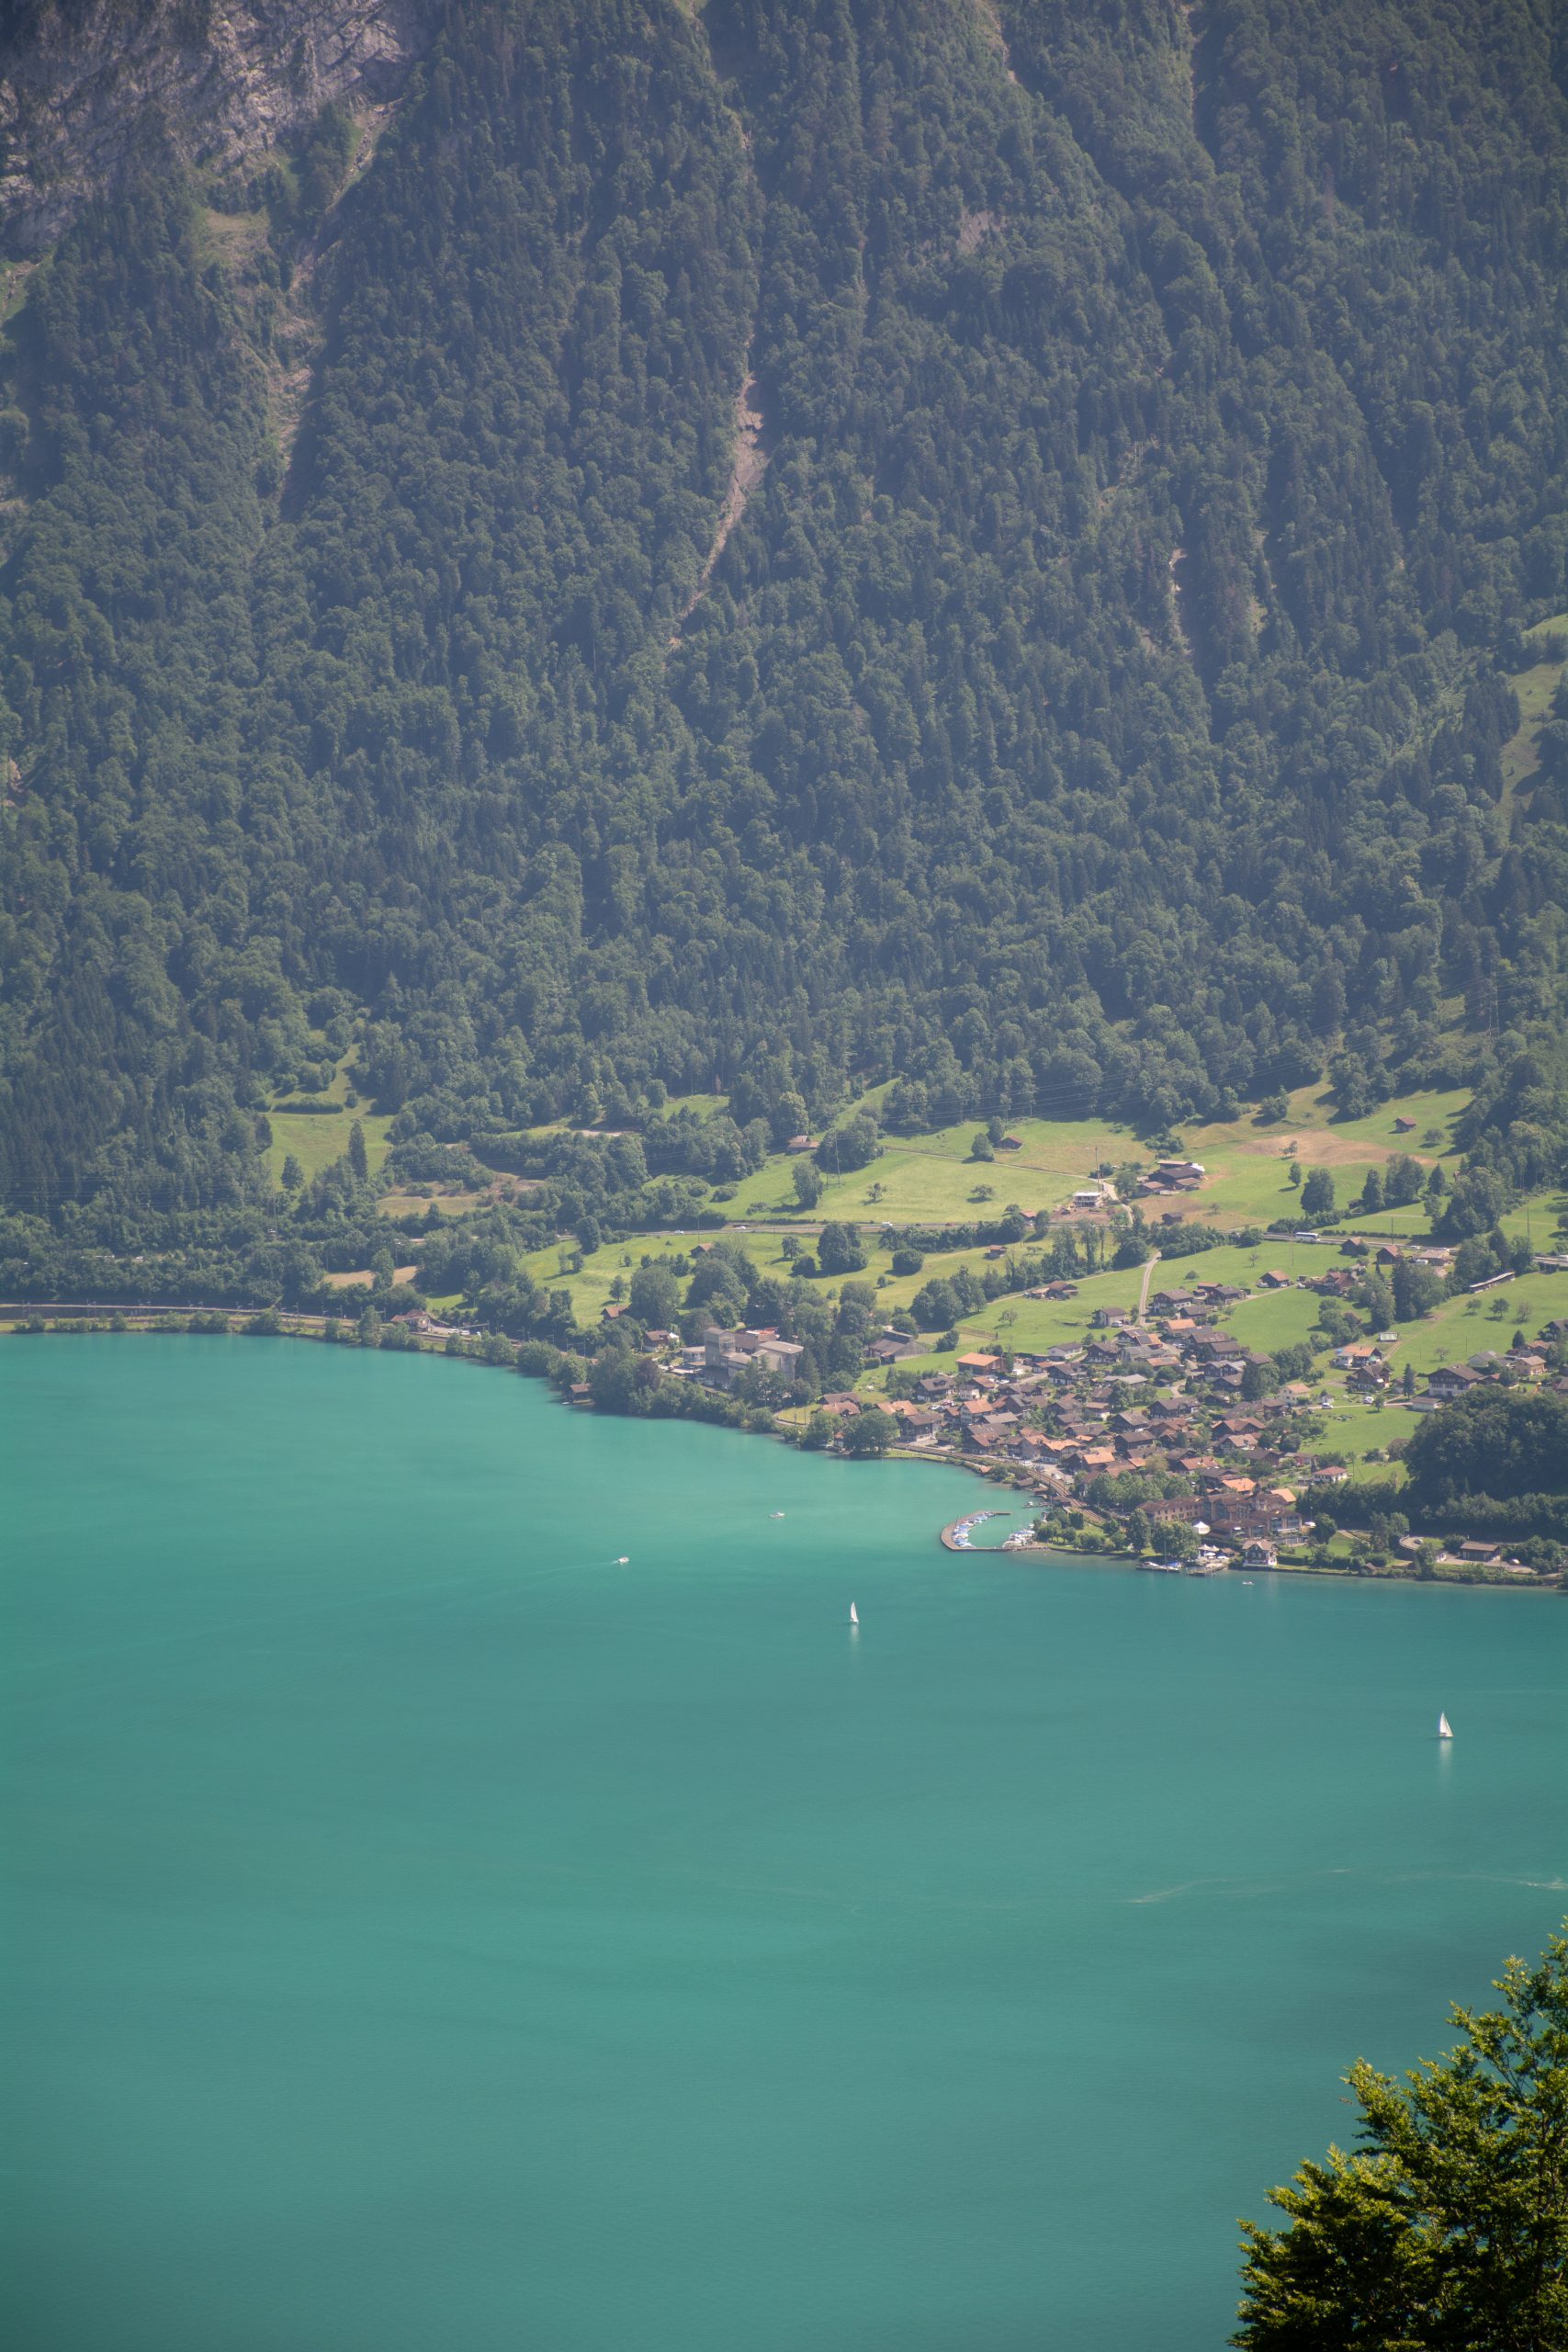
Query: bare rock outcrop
<point x="81" y="81"/>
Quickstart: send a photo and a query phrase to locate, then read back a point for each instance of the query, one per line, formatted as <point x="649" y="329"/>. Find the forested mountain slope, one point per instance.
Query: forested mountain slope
<point x="1097" y="705"/>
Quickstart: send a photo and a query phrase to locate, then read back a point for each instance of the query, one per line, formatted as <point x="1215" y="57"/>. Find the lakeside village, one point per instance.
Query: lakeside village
<point x="1158" y="1435"/>
<point x="1162" y="1434"/>
<point x="1147" y="1430"/>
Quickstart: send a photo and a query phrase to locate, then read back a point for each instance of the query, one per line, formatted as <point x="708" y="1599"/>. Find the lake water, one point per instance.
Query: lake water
<point x="421" y="1931"/>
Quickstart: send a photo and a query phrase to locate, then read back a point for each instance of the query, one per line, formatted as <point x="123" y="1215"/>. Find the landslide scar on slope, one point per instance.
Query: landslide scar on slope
<point x="745" y="473"/>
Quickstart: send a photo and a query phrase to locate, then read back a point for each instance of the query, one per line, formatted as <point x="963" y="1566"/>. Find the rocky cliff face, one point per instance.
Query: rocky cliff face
<point x="81" y="81"/>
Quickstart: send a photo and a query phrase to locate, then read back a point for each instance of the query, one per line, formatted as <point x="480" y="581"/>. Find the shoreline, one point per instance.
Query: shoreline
<point x="132" y="1322"/>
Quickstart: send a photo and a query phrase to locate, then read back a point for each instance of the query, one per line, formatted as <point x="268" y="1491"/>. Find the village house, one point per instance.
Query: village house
<point x="890" y="1345"/>
<point x="918" y="1425"/>
<point x="1452" y="1380"/>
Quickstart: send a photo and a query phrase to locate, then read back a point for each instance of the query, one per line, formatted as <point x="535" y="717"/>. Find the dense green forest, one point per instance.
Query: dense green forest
<point x="1097" y="706"/>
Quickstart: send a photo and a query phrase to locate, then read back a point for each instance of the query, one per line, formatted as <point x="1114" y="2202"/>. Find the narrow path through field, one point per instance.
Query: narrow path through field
<point x="1143" y="1287"/>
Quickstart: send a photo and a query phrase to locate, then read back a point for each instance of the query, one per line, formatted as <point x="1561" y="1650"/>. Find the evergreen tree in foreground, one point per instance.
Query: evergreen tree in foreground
<point x="1447" y="2231"/>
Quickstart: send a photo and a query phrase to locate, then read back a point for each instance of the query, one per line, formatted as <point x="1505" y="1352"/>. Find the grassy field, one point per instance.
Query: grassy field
<point x="1247" y="1162"/>
<point x="932" y="1177"/>
<point x="1535" y="688"/>
<point x="449" y="1204"/>
<point x="316" y="1138"/>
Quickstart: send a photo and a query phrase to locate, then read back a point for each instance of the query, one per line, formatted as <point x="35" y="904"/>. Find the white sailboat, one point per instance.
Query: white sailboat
<point x="1445" y="1729"/>
<point x="855" y="1614"/>
<point x="623" y="1561"/>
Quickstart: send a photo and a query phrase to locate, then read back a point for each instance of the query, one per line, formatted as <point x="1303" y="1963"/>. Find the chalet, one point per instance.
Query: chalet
<point x="1181" y="1171"/>
<point x="1035" y="1447"/>
<point x="890" y="1346"/>
<point x="1257" y="1553"/>
<point x="803" y="1143"/>
<point x="915" y="1421"/>
<point x="1452" y="1380"/>
<point x="988" y="1437"/>
<point x="1210" y="1347"/>
<point x="1010" y="1143"/>
<point x="1404" y="1126"/>
<point x="1273" y="1279"/>
<point x="1107" y="1318"/>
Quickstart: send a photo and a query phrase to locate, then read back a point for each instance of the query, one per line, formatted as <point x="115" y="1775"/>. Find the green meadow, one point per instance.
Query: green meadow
<point x="318" y="1137"/>
<point x="1535" y="687"/>
<point x="935" y="1179"/>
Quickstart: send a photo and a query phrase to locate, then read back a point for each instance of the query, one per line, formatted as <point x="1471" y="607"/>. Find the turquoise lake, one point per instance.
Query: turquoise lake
<point x="421" y="1931"/>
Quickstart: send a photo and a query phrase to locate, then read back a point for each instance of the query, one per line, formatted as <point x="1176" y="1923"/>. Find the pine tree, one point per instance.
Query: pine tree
<point x="1449" y="2228"/>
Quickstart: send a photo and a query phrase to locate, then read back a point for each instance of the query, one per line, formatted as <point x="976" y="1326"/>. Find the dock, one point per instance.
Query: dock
<point x="956" y="1536"/>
